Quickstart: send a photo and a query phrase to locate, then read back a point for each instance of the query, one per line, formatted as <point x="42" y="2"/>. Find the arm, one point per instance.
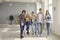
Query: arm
<point x="19" y="19"/>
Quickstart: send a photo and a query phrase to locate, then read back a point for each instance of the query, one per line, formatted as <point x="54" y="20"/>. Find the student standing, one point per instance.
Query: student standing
<point x="40" y="20"/>
<point x="33" y="21"/>
<point x="22" y="22"/>
<point x="28" y="21"/>
<point x="48" y="21"/>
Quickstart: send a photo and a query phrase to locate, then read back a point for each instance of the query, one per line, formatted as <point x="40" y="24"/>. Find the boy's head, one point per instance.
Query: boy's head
<point x="40" y="10"/>
<point x="32" y="12"/>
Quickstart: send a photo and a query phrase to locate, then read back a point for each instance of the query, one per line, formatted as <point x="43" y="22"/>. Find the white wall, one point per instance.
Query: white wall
<point x="59" y="16"/>
<point x="56" y="17"/>
<point x="59" y="10"/>
<point x="9" y="8"/>
<point x="0" y="1"/>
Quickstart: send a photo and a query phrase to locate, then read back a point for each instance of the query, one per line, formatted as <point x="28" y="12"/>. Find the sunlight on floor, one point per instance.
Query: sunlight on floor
<point x="5" y="30"/>
<point x="43" y="38"/>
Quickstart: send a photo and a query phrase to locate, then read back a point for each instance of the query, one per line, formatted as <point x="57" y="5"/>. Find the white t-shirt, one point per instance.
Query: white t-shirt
<point x="40" y="18"/>
<point x="48" y="18"/>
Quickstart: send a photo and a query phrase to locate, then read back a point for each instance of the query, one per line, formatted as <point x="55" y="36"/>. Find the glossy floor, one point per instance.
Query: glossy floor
<point x="8" y="32"/>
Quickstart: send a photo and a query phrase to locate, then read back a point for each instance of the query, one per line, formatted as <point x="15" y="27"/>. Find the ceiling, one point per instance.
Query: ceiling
<point x="18" y="0"/>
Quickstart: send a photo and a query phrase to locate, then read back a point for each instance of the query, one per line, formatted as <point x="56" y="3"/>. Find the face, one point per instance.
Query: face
<point x="24" y="13"/>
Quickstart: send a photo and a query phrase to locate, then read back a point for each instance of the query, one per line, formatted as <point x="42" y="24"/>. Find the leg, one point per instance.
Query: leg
<point x="36" y="28"/>
<point x="38" y="25"/>
<point x="27" y="24"/>
<point x="21" y="33"/>
<point x="48" y="28"/>
<point x="32" y="28"/>
<point x="41" y="28"/>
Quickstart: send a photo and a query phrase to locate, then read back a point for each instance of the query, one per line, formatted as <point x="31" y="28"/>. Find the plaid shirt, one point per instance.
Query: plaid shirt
<point x="22" y="18"/>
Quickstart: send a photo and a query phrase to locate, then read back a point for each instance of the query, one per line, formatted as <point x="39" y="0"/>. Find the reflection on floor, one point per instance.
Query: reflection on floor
<point x="8" y="32"/>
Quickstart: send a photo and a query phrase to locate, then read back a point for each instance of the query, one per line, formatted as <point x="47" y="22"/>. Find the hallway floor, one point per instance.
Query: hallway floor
<point x="8" y="32"/>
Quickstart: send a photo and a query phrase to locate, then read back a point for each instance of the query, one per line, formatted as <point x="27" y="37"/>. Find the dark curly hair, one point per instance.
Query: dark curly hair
<point x="23" y="11"/>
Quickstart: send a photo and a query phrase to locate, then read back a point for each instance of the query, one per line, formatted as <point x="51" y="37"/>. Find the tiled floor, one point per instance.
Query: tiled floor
<point x="8" y="32"/>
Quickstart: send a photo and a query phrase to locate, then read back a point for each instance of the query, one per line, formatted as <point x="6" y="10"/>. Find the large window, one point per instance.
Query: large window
<point x="50" y="8"/>
<point x="50" y="1"/>
<point x="38" y="6"/>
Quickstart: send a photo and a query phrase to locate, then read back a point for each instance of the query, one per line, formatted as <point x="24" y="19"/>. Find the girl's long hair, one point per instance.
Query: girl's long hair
<point x="46" y="12"/>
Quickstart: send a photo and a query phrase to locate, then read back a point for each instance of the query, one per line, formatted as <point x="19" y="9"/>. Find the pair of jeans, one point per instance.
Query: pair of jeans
<point x="39" y="25"/>
<point x="34" y="28"/>
<point x="27" y="26"/>
<point x="21" y="29"/>
<point x="48" y="28"/>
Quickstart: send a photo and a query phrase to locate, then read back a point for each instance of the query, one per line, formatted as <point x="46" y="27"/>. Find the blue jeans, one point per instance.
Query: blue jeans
<point x="21" y="29"/>
<point x="48" y="28"/>
<point x="27" y="26"/>
<point x="34" y="28"/>
<point x="39" y="25"/>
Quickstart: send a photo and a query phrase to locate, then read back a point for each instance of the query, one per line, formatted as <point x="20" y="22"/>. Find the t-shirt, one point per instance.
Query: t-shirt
<point x="48" y="18"/>
<point x="27" y="18"/>
<point x="33" y="17"/>
<point x="33" y="20"/>
<point x="40" y="18"/>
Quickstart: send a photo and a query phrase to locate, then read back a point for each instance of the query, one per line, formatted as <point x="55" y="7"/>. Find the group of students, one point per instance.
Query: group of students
<point x="36" y="22"/>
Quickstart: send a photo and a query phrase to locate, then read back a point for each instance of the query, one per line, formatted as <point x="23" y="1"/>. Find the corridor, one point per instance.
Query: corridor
<point x="9" y="28"/>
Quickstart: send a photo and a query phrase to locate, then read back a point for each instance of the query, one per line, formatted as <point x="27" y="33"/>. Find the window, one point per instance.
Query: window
<point x="38" y="6"/>
<point x="50" y="6"/>
<point x="50" y="1"/>
<point x="50" y="9"/>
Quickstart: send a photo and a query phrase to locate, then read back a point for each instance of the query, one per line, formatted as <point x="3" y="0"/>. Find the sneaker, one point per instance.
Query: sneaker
<point x="32" y="33"/>
<point x="27" y="33"/>
<point x="22" y="37"/>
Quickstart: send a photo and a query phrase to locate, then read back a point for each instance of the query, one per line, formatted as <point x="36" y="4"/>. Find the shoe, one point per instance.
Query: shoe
<point x="32" y="33"/>
<point x="40" y="35"/>
<point x="48" y="34"/>
<point x="35" y="34"/>
<point x="22" y="37"/>
<point x="27" y="33"/>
